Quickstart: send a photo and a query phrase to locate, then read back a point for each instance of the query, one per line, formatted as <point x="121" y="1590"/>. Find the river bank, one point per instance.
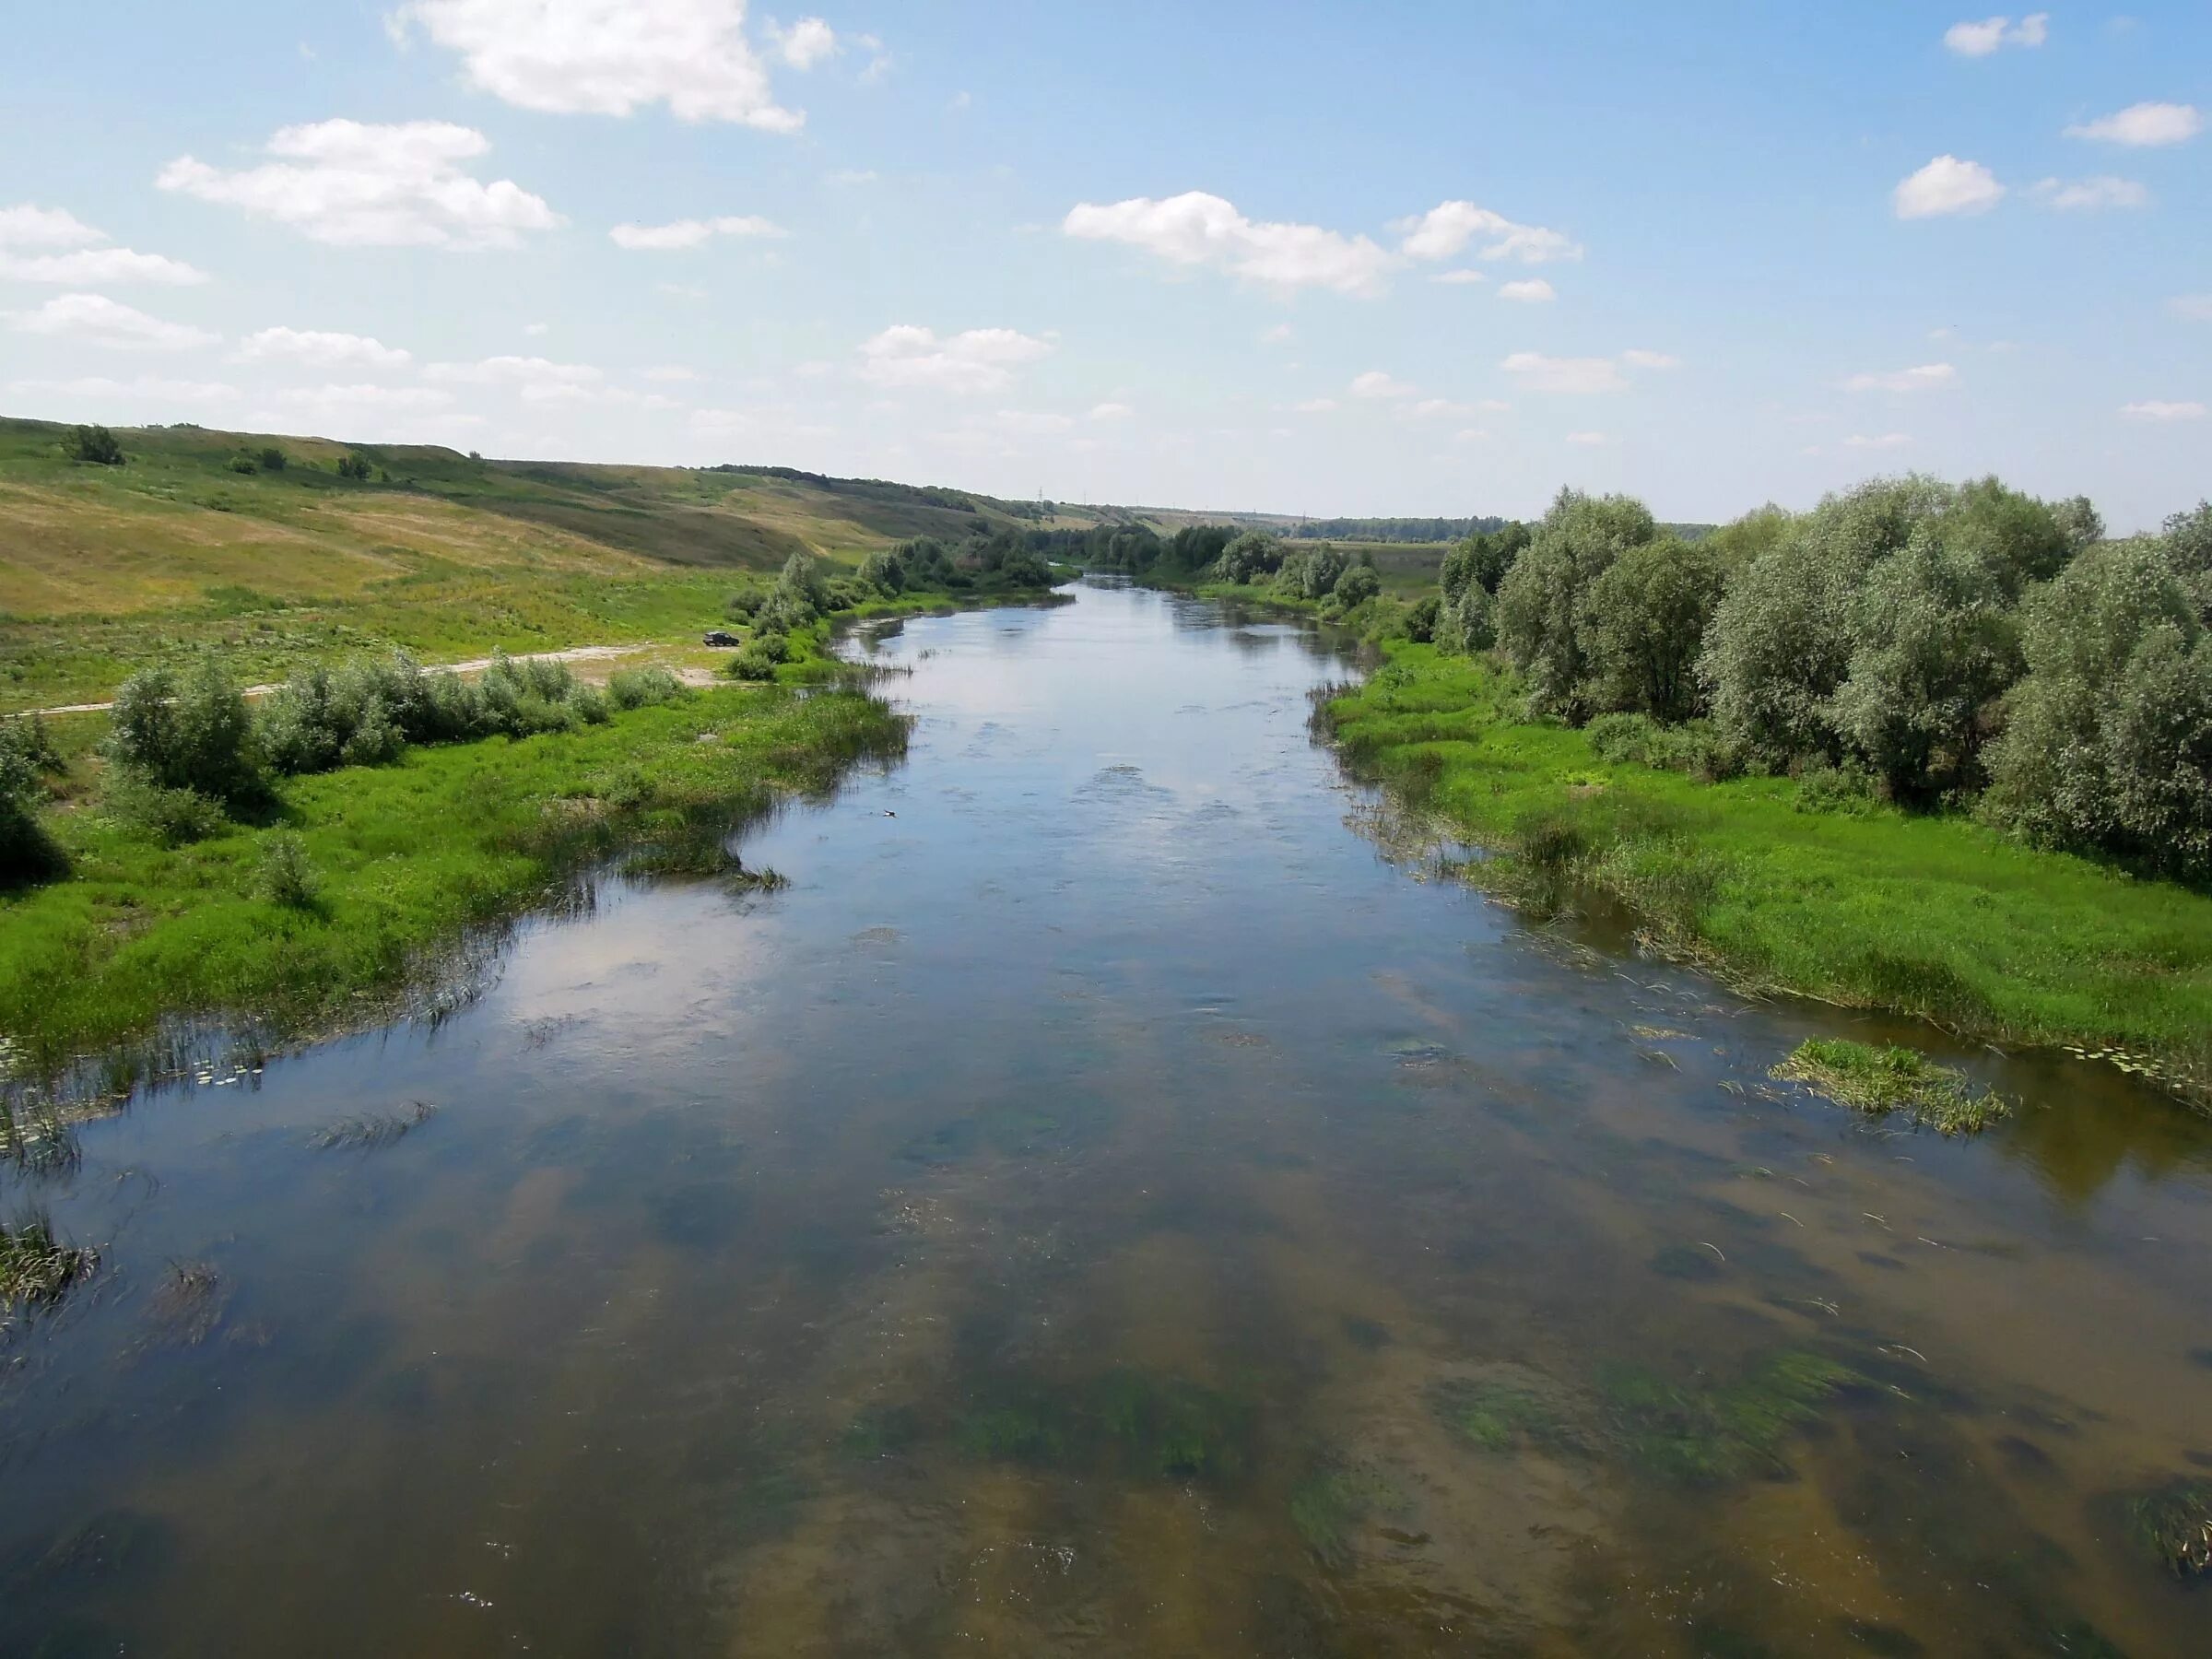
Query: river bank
<point x="1778" y="889"/>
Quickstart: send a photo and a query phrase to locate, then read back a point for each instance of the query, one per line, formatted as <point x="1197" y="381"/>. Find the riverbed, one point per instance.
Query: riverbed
<point x="1123" y="1196"/>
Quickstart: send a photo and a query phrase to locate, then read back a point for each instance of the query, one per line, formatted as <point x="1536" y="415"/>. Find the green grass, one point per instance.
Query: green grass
<point x="36" y="1267"/>
<point x="405" y="860"/>
<point x="1941" y="917"/>
<point x="1892" y="1078"/>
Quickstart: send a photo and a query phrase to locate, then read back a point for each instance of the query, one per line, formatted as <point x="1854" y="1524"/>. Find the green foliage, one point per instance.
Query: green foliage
<point x="1694" y="747"/>
<point x="1482" y="558"/>
<point x="1421" y="618"/>
<point x="1647" y="616"/>
<point x="287" y="875"/>
<point x="1330" y="1505"/>
<point x="245" y="464"/>
<point x="274" y="459"/>
<point x="1738" y="545"/>
<point x="93" y="446"/>
<point x="168" y="817"/>
<point x="187" y="732"/>
<point x="758" y="657"/>
<point x="1932" y="649"/>
<point x="2174" y="1526"/>
<point x="1356" y="586"/>
<point x="1891" y="1078"/>
<point x="35" y="1268"/>
<point x="630" y="689"/>
<point x="1545" y="619"/>
<point x="27" y="852"/>
<point x="2109" y="740"/>
<point x="1705" y="1433"/>
<point x="1252" y="556"/>
<point x="356" y="468"/>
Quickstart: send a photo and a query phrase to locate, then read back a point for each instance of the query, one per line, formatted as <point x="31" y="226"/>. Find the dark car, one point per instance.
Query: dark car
<point x="720" y="637"/>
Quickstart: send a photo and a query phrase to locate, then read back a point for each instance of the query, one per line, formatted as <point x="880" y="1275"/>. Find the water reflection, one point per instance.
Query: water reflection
<point x="1104" y="1206"/>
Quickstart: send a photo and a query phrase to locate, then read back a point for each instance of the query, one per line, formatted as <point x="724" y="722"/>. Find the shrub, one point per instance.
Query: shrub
<point x="274" y="459"/>
<point x="758" y="657"/>
<point x="94" y="446"/>
<point x="356" y="468"/>
<point x="244" y="464"/>
<point x="1252" y="556"/>
<point x="192" y="734"/>
<point x="1421" y="618"/>
<point x="1318" y="575"/>
<point x="1357" y="585"/>
<point x="641" y="688"/>
<point x="27" y="852"/>
<point x="173" y="818"/>
<point x="288" y="876"/>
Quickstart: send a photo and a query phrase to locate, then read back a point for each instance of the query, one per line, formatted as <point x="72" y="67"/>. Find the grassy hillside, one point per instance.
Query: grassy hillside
<point x="103" y="568"/>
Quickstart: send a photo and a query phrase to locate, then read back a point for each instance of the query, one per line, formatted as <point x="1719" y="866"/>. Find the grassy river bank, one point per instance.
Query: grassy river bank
<point x="1779" y="889"/>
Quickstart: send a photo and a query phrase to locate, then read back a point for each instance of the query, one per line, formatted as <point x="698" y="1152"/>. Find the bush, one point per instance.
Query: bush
<point x="641" y="688"/>
<point x="173" y="817"/>
<point x="1252" y="556"/>
<point x="1421" y="618"/>
<point x="1694" y="747"/>
<point x="274" y="459"/>
<point x="1357" y="585"/>
<point x="356" y="468"/>
<point x="195" y="734"/>
<point x="288" y="876"/>
<point x="758" y="657"/>
<point x="244" y="464"/>
<point x="1647" y="614"/>
<point x="27" y="852"/>
<point x="94" y="446"/>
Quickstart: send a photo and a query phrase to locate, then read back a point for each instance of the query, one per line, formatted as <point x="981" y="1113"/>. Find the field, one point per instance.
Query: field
<point x="1939" y="916"/>
<point x="103" y="569"/>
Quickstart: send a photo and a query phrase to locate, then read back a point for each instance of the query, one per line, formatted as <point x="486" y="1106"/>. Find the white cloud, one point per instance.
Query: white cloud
<point x="30" y="226"/>
<point x="1880" y="441"/>
<point x="1314" y="406"/>
<point x="806" y="43"/>
<point x="879" y="61"/>
<point x="47" y="244"/>
<point x="1030" y="423"/>
<point x="1536" y="373"/>
<point x="1979" y="39"/>
<point x="320" y="349"/>
<point x="1374" y="383"/>
<point x="1447" y="228"/>
<point x="98" y="321"/>
<point x="358" y="185"/>
<point x="2193" y="308"/>
<point x="1460" y="277"/>
<point x="1650" y="360"/>
<point x="534" y="380"/>
<point x="671" y="374"/>
<point x="1277" y="336"/>
<point x="1535" y="291"/>
<point x="1111" y="411"/>
<point x="1948" y="185"/>
<point x="2144" y="125"/>
<point x="102" y="265"/>
<point x="2102" y="191"/>
<point x="1470" y="435"/>
<point x="145" y="389"/>
<point x="981" y="359"/>
<point x="1588" y="440"/>
<point x="691" y="233"/>
<point x="1927" y="377"/>
<point x="1196" y="229"/>
<point x="850" y="176"/>
<point x="608" y="57"/>
<point x="1431" y="408"/>
<point x="2155" y="410"/>
<point x="536" y="329"/>
<point x="365" y="396"/>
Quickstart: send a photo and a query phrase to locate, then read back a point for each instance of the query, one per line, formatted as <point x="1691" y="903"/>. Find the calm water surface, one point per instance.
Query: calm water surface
<point x="1105" y="1205"/>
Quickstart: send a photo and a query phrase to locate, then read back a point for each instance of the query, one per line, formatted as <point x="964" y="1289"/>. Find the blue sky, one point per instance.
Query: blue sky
<point x="1404" y="259"/>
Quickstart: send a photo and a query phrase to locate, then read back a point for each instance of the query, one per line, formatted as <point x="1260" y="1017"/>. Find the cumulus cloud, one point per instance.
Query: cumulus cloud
<point x="1650" y="360"/>
<point x="1879" y="441"/>
<point x="2155" y="410"/>
<point x="671" y="374"/>
<point x="355" y="185"/>
<point x="806" y="43"/>
<point x="691" y="232"/>
<point x="1927" y="377"/>
<point x="2144" y="125"/>
<point x="533" y="379"/>
<point x="1534" y="291"/>
<point x="2079" y="194"/>
<point x="1447" y="228"/>
<point x="48" y="244"/>
<point x="1588" y="440"/>
<point x="98" y="321"/>
<point x="1196" y="229"/>
<point x="1460" y="277"/>
<point x="1277" y="336"/>
<point x="1575" y="376"/>
<point x="319" y="349"/>
<point x="1948" y="185"/>
<point x="608" y="57"/>
<point x="1111" y="411"/>
<point x="1374" y="383"/>
<point x="1314" y="406"/>
<point x="1979" y="39"/>
<point x="981" y="359"/>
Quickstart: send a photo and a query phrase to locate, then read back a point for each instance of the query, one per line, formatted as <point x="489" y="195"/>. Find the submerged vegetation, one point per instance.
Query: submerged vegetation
<point x="1706" y="1431"/>
<point x="1891" y="1078"/>
<point x="35" y="1268"/>
<point x="2173" y="1525"/>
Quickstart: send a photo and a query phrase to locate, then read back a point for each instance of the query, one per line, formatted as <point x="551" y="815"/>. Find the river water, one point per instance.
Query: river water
<point x="1105" y="1205"/>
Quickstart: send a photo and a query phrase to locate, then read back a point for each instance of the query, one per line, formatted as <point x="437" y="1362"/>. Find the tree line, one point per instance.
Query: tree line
<point x="1943" y="646"/>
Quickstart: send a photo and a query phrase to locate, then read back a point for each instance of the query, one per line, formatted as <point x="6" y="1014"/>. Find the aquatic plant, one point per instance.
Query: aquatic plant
<point x="1328" y="1507"/>
<point x="189" y="1305"/>
<point x="2173" y="1524"/>
<point x="1142" y="1426"/>
<point x="1882" y="1080"/>
<point x="1499" y="1416"/>
<point x="372" y="1130"/>
<point x="35" y="1268"/>
<point x="1705" y="1433"/>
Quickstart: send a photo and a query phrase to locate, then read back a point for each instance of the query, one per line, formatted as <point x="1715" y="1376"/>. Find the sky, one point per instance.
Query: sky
<point x="1374" y="259"/>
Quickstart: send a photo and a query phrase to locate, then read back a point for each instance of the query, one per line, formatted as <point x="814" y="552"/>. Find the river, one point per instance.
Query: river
<point x="1112" y="1201"/>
